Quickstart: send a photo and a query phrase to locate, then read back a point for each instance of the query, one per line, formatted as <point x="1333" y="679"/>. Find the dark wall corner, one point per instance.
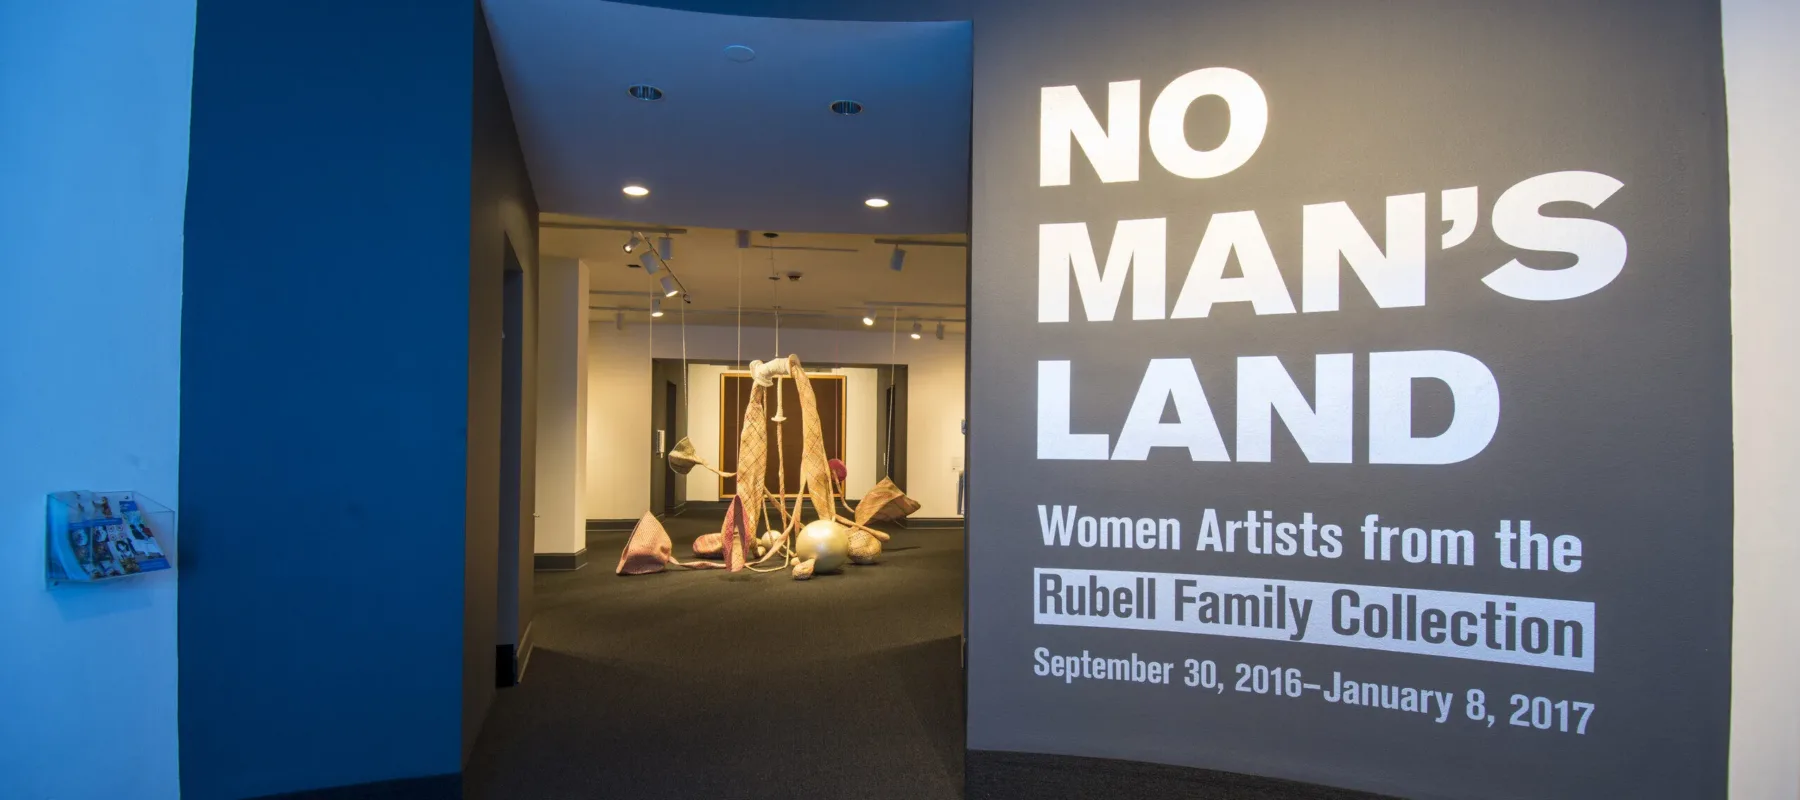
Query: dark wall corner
<point x="503" y="212"/>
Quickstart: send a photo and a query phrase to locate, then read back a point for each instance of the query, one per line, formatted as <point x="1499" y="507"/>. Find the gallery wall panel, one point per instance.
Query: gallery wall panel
<point x="1380" y="376"/>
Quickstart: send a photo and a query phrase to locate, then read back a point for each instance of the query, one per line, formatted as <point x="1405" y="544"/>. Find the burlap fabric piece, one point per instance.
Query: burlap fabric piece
<point x="884" y="503"/>
<point x="864" y="548"/>
<point x="739" y="538"/>
<point x="648" y="550"/>
<point x="682" y="457"/>
<point x="709" y="545"/>
<point x="815" y="468"/>
<point x="753" y="464"/>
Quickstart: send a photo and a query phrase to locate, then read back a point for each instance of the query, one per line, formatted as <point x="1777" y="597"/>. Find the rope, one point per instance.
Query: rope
<point x="777" y="282"/>
<point x="887" y="458"/>
<point x="740" y="311"/>
<point x="684" y="366"/>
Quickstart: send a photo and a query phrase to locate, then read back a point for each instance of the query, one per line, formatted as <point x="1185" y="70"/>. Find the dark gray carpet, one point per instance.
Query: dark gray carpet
<point x="698" y="685"/>
<point x="706" y="684"/>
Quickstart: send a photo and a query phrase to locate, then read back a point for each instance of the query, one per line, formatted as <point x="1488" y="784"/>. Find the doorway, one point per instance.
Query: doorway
<point x="509" y="583"/>
<point x="708" y="263"/>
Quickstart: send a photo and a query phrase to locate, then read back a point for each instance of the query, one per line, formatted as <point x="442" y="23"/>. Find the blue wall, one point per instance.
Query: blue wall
<point x="325" y="395"/>
<point x="93" y="162"/>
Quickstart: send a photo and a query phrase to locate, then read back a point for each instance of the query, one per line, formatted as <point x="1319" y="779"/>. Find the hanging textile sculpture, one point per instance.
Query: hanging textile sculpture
<point x="827" y="541"/>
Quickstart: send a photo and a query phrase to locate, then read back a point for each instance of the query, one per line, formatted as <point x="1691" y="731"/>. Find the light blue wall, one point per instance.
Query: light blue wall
<point x="93" y="174"/>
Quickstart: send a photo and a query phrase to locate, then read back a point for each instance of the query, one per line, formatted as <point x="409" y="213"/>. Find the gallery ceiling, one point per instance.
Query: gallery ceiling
<point x="840" y="275"/>
<point x="743" y="134"/>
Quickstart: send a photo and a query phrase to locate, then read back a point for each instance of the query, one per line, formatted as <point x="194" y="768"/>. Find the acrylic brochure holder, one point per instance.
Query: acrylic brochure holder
<point x="93" y="537"/>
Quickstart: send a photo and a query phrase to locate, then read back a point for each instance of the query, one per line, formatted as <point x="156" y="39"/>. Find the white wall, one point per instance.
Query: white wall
<point x="1762" y="92"/>
<point x="861" y="415"/>
<point x="703" y="425"/>
<point x="619" y="488"/>
<point x="619" y="436"/>
<point x="93" y="177"/>
<point x="562" y="406"/>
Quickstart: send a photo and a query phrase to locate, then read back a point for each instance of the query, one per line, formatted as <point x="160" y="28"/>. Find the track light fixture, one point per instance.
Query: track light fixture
<point x="940" y="331"/>
<point x="666" y="246"/>
<point x="897" y="260"/>
<point x="632" y="246"/>
<point x="868" y="315"/>
<point x="656" y="306"/>
<point x="918" y="329"/>
<point x="649" y="262"/>
<point x="669" y="288"/>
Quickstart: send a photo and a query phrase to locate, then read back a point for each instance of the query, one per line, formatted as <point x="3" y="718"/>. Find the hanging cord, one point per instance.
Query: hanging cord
<point x="775" y="278"/>
<point x="887" y="458"/>
<point x="684" y="366"/>
<point x="740" y="311"/>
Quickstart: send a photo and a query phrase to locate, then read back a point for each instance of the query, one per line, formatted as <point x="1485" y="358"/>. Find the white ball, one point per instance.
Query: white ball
<point x="827" y="542"/>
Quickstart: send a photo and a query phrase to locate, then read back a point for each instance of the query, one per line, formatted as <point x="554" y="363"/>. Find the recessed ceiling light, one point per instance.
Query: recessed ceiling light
<point x="645" y="92"/>
<point x="876" y="202"/>
<point x="636" y="191"/>
<point x="740" y="53"/>
<point x="847" y="108"/>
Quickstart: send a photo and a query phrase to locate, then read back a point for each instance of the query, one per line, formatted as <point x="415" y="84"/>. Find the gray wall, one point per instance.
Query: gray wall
<point x="1614" y="407"/>
<point x="1615" y="417"/>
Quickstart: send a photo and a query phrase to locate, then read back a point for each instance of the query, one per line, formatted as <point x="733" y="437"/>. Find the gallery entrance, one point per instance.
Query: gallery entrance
<point x="752" y="407"/>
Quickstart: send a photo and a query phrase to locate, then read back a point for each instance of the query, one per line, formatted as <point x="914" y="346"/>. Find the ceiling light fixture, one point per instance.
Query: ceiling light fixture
<point x="666" y="247"/>
<point x="656" y="305"/>
<point x="635" y="190"/>
<point x="649" y="262"/>
<point x="644" y="92"/>
<point x="940" y="331"/>
<point x="897" y="260"/>
<point x="876" y="202"/>
<point x="868" y="315"/>
<point x="739" y="53"/>
<point x="918" y="329"/>
<point x="846" y="108"/>
<point x="632" y="246"/>
<point x="669" y="288"/>
<point x="619" y="320"/>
